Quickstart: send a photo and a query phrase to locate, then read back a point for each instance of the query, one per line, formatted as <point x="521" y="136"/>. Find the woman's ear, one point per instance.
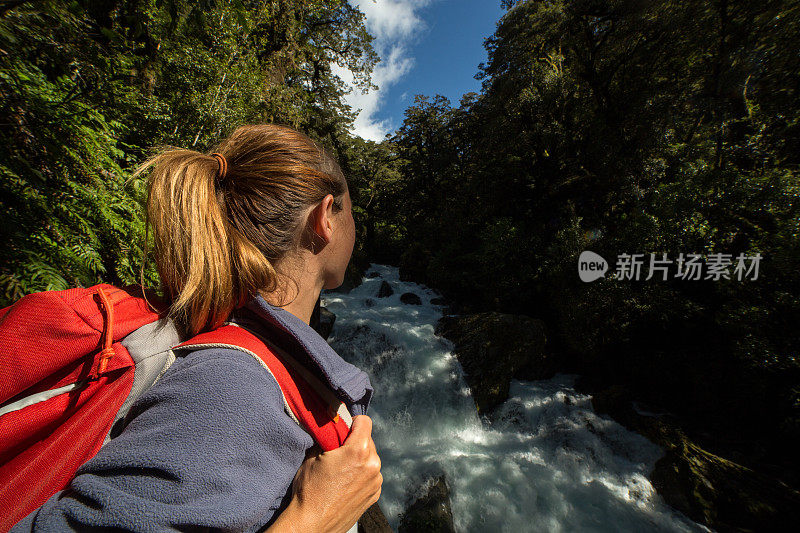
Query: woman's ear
<point x="322" y="219"/>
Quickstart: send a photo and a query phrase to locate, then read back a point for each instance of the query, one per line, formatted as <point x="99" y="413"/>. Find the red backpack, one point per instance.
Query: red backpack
<point x="71" y="364"/>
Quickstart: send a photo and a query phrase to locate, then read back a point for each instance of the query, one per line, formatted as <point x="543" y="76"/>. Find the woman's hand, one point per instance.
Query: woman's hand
<point x="331" y="490"/>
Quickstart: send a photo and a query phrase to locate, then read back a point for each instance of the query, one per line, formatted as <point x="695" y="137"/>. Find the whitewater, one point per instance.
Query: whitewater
<point x="545" y="462"/>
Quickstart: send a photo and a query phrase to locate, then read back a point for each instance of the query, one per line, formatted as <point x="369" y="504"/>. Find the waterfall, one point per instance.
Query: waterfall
<point x="546" y="463"/>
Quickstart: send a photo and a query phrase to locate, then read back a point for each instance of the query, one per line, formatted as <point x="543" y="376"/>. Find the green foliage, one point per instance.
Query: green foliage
<point x="374" y="179"/>
<point x="88" y="88"/>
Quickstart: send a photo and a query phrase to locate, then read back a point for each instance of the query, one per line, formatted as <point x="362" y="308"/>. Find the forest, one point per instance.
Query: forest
<point x="622" y="127"/>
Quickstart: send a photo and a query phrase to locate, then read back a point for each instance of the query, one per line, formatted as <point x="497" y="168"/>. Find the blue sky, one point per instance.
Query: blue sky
<point x="426" y="47"/>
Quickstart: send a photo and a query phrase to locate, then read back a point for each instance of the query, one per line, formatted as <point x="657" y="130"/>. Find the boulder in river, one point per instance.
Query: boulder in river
<point x="495" y="347"/>
<point x="322" y="320"/>
<point x="410" y="298"/>
<point x="326" y="320"/>
<point x="431" y="512"/>
<point x="438" y="301"/>
<point x="705" y="487"/>
<point x="385" y="290"/>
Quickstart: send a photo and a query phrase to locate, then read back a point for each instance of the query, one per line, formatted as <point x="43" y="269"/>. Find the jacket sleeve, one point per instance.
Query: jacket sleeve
<point x="208" y="446"/>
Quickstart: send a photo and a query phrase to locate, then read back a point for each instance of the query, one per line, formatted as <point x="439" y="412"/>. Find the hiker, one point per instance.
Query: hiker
<point x="248" y="235"/>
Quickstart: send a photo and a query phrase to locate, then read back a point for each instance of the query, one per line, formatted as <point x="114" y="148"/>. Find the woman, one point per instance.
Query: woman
<point x="251" y="233"/>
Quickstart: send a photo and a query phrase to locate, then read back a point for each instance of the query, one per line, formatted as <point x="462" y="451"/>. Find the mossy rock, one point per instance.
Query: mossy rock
<point x="493" y="348"/>
<point x="705" y="487"/>
<point x="720" y="493"/>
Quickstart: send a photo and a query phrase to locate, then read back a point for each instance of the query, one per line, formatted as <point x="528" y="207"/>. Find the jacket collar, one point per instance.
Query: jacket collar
<point x="305" y="344"/>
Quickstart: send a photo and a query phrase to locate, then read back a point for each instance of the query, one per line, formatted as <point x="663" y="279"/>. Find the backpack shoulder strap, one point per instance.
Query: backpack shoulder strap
<point x="308" y="402"/>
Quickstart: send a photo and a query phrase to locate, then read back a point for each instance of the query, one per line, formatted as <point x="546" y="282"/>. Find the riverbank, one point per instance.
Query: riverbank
<point x="496" y="348"/>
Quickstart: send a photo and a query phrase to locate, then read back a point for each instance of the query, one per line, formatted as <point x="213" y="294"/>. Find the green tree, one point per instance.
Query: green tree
<point x="88" y="87"/>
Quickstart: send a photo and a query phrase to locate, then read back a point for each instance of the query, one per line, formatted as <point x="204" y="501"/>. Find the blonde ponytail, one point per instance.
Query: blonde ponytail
<point x="215" y="242"/>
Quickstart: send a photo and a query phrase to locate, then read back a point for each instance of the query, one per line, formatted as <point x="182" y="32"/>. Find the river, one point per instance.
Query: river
<point x="545" y="463"/>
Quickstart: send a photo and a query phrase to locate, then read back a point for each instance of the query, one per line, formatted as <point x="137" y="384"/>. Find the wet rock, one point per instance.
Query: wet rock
<point x="707" y="488"/>
<point x="410" y="298"/>
<point x="373" y="275"/>
<point x="322" y="320"/>
<point x="385" y="290"/>
<point x="314" y="322"/>
<point x="374" y="521"/>
<point x="326" y="321"/>
<point x="493" y="348"/>
<point x="438" y="301"/>
<point x="431" y="512"/>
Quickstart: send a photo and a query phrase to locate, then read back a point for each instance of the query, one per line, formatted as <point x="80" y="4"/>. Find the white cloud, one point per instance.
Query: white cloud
<point x="391" y="19"/>
<point x="395" y="24"/>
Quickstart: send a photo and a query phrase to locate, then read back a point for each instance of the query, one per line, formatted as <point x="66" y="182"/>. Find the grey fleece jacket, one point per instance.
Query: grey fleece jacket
<point x="209" y="446"/>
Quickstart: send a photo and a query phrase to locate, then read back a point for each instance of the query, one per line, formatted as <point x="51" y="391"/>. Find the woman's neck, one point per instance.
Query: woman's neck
<point x="303" y="306"/>
<point x="303" y="297"/>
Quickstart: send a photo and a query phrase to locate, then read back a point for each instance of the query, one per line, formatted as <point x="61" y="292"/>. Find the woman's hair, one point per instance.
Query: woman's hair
<point x="216" y="241"/>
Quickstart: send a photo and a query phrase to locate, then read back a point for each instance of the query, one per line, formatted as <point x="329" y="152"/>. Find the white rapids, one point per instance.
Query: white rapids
<point x="548" y="463"/>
